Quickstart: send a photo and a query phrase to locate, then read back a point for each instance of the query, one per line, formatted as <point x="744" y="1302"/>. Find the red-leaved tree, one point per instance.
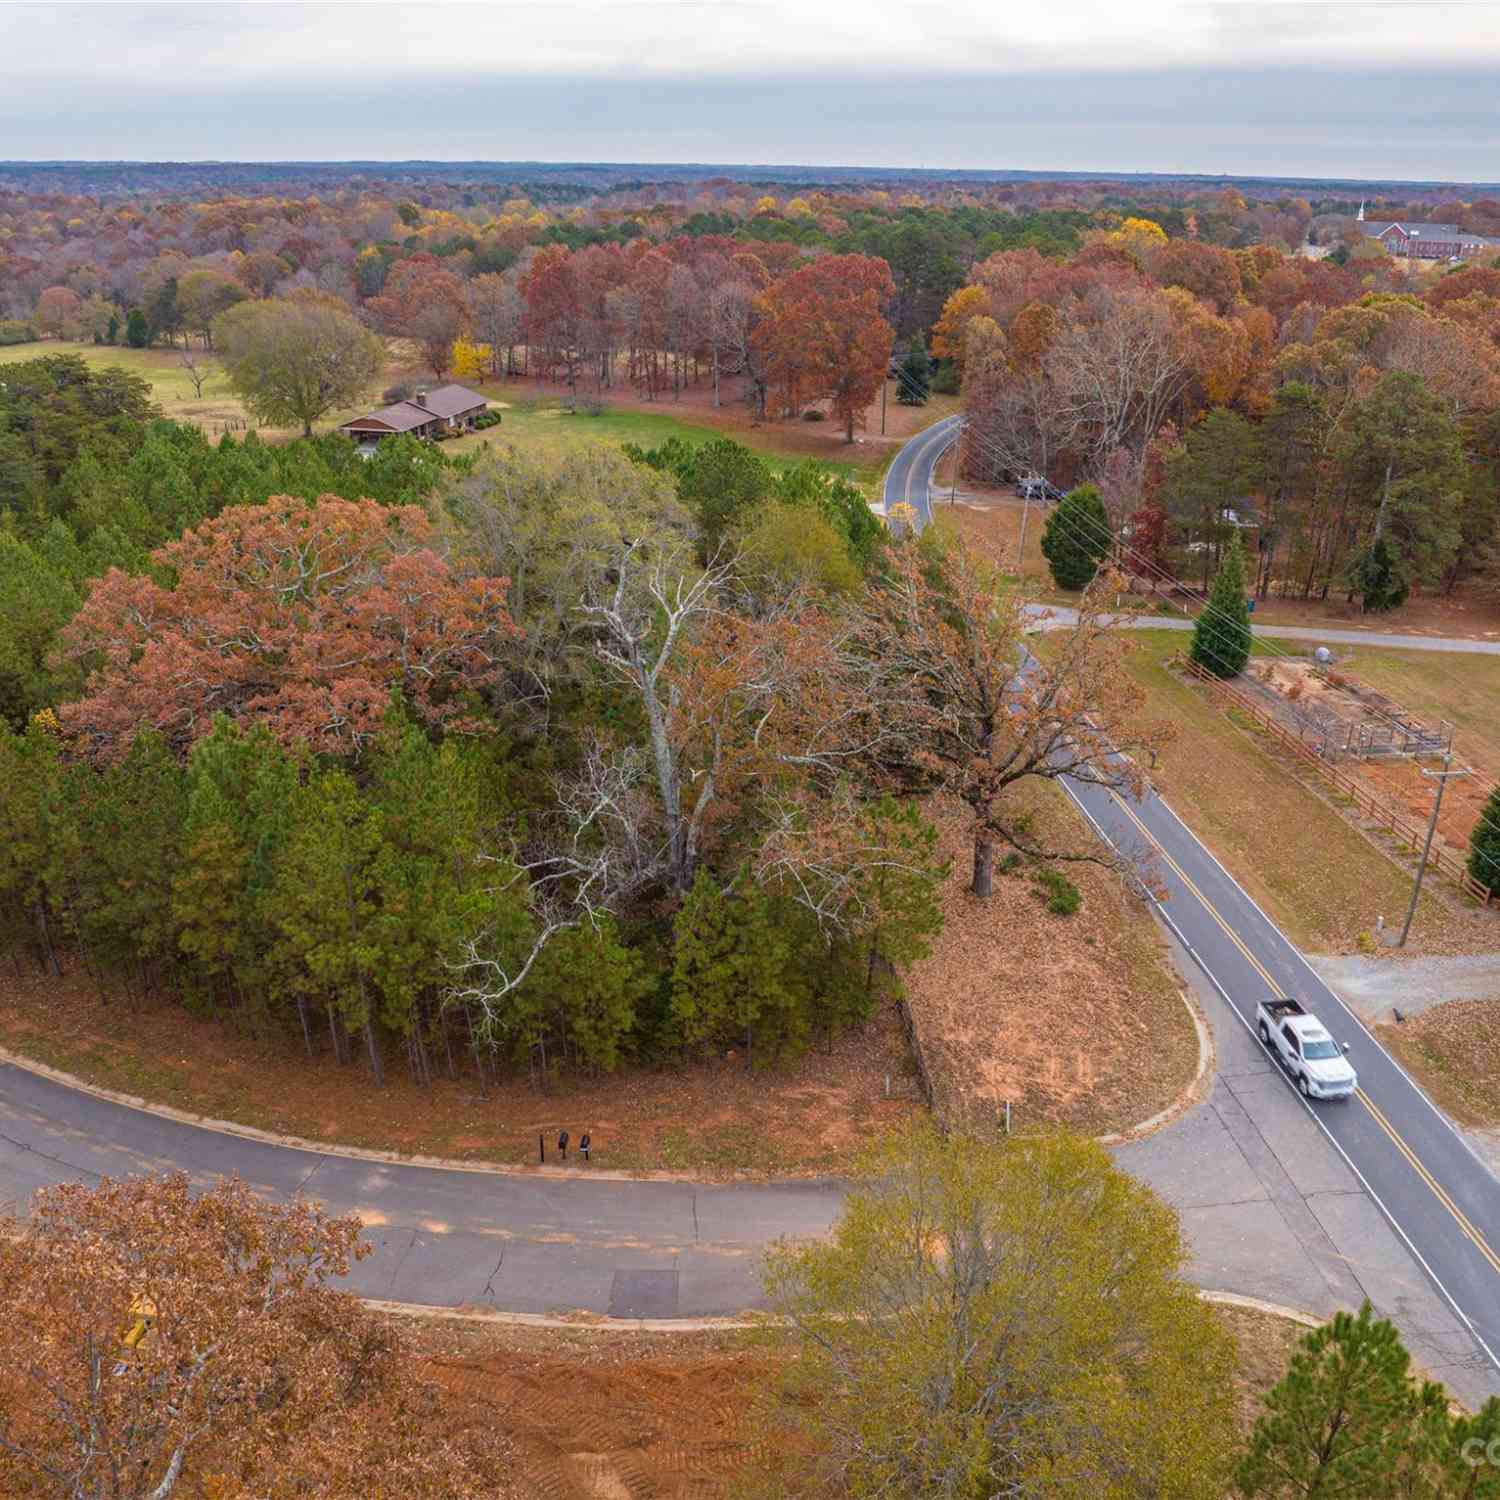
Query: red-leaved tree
<point x="301" y="616"/>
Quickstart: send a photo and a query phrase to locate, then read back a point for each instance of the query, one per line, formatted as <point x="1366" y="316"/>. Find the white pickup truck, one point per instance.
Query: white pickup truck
<point x="1299" y="1042"/>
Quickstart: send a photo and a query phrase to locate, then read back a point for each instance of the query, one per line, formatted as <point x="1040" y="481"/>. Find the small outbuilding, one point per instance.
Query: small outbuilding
<point x="427" y="414"/>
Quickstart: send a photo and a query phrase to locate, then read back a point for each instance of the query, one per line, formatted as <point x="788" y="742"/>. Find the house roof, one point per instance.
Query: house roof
<point x="1426" y="231"/>
<point x="451" y="400"/>
<point x="406" y="416"/>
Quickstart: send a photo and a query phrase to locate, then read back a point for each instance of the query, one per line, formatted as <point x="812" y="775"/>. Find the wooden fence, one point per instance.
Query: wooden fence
<point x="1384" y="814"/>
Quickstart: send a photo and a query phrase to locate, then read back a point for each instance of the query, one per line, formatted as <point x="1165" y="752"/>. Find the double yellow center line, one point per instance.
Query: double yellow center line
<point x="1438" y="1191"/>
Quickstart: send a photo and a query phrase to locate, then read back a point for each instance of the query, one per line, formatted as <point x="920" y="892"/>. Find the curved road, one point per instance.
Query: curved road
<point x="1315" y="1206"/>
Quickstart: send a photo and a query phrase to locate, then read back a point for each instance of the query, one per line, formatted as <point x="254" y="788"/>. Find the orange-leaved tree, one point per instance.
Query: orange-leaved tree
<point x="157" y="1343"/>
<point x="824" y="333"/>
<point x="302" y="616"/>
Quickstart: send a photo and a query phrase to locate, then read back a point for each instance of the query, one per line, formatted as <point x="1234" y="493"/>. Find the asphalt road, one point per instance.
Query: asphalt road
<point x="908" y="481"/>
<point x="1441" y="1200"/>
<point x="1313" y="1205"/>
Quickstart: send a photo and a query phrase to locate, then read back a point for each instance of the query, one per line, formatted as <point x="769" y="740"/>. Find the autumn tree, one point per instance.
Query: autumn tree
<point x="994" y="1319"/>
<point x="203" y="295"/>
<point x="295" y="359"/>
<point x="496" y="317"/>
<point x="422" y="301"/>
<point x="974" y="715"/>
<point x="823" y="334"/>
<point x="159" y="1339"/>
<point x="301" y="616"/>
<point x="58" y="311"/>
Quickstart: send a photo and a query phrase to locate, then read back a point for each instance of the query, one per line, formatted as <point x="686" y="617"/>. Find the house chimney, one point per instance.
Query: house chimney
<point x="420" y="399"/>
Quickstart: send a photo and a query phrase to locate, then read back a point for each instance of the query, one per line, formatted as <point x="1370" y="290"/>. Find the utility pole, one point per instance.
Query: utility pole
<point x="1025" y="511"/>
<point x="883" y="384"/>
<point x="1441" y="777"/>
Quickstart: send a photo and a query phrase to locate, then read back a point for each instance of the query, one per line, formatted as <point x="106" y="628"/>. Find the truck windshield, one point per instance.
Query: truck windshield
<point x="1316" y="1051"/>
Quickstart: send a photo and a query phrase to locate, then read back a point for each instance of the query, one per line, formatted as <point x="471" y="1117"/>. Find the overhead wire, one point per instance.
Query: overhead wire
<point x="1269" y="647"/>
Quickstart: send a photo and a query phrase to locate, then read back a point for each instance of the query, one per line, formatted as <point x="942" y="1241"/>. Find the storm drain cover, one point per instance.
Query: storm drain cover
<point x="643" y="1294"/>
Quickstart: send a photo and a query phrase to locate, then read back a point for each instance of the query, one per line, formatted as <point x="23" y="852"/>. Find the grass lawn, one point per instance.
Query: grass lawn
<point x="542" y="424"/>
<point x="1318" y="876"/>
<point x="1453" y="1049"/>
<point x="217" y="410"/>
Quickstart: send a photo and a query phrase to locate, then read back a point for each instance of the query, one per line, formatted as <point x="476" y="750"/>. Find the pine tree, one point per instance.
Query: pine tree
<point x="915" y="380"/>
<point x="1077" y="538"/>
<point x="728" y="963"/>
<point x="1378" y="576"/>
<point x="1221" y="633"/>
<point x="137" y="330"/>
<point x="1341" y="1419"/>
<point x="1484" y="844"/>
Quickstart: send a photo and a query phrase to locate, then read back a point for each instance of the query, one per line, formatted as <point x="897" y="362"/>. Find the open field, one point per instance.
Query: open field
<point x="541" y="424"/>
<point x="613" y="1415"/>
<point x="714" y="1118"/>
<point x="1077" y="1021"/>
<point x="536" y="415"/>
<point x="216" y="411"/>
<point x="1318" y="876"/>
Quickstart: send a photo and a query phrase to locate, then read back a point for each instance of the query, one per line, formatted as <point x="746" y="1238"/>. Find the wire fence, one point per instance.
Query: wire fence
<point x="1384" y="814"/>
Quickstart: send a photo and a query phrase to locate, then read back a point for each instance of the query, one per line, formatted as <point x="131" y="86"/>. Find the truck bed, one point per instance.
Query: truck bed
<point x="1279" y="1010"/>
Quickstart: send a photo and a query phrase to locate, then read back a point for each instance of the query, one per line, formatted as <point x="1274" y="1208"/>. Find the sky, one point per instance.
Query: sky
<point x="1253" y="87"/>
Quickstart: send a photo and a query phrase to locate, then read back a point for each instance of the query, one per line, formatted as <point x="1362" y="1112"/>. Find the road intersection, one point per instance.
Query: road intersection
<point x="1314" y="1206"/>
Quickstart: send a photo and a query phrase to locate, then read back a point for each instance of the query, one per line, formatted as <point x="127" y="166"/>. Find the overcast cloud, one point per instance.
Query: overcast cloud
<point x="1357" y="90"/>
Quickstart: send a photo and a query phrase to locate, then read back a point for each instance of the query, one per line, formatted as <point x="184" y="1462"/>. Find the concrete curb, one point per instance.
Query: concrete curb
<point x="598" y="1323"/>
<point x="1190" y="1096"/>
<point x="500" y="1169"/>
<point x="361" y="1153"/>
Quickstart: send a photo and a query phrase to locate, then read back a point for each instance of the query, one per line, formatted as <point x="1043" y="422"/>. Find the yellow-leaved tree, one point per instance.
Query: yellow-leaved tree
<point x="1005" y="1319"/>
<point x="471" y="360"/>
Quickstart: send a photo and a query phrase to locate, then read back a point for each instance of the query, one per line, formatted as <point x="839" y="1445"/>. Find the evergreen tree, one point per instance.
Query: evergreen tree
<point x="35" y="603"/>
<point x="112" y="334"/>
<point x="137" y="329"/>
<point x="1342" y="1419"/>
<point x="587" y="986"/>
<point x="1077" y="538"/>
<point x="1221" y="633"/>
<point x="324" y="905"/>
<point x="914" y="383"/>
<point x="1378" y="576"/>
<point x="728" y="966"/>
<point x="1484" y="844"/>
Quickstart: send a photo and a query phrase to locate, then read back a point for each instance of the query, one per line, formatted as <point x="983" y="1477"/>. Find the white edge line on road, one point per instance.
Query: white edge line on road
<point x="1213" y="979"/>
<point x="1323" y="984"/>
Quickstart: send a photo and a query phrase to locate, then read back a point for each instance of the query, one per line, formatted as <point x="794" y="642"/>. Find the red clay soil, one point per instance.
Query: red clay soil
<point x="1402" y="782"/>
<point x="1078" y="1021"/>
<point x="715" y="1117"/>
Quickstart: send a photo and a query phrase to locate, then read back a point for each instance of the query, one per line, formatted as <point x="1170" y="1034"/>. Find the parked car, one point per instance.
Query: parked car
<point x="1034" y="487"/>
<point x="1302" y="1045"/>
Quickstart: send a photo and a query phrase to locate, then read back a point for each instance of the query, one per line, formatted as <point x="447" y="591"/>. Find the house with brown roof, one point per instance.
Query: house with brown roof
<point x="426" y="414"/>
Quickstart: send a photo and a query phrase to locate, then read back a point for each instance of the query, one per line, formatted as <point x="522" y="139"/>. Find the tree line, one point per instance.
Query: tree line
<point x="1348" y="415"/>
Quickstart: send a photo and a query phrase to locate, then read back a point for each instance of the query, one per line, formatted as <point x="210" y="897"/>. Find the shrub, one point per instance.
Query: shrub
<point x="1011" y="863"/>
<point x="16" y="331"/>
<point x="592" y="406"/>
<point x="945" y="380"/>
<point x="1063" y="897"/>
<point x="814" y="414"/>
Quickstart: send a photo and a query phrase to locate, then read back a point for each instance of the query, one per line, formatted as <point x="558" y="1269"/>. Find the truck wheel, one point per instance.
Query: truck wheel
<point x="1265" y="1035"/>
<point x="1302" y="1084"/>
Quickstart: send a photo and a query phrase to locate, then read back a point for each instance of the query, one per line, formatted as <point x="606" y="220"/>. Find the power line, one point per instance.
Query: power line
<point x="1270" y="647"/>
